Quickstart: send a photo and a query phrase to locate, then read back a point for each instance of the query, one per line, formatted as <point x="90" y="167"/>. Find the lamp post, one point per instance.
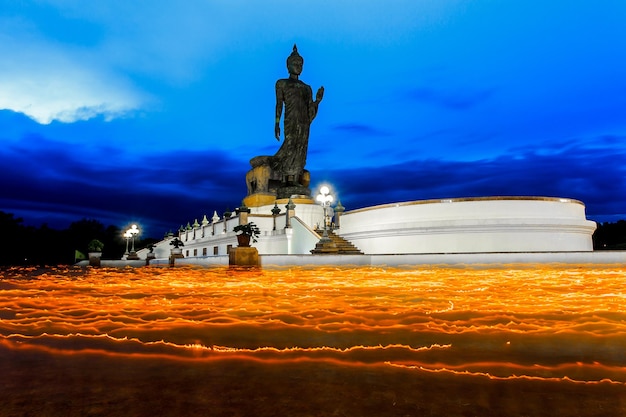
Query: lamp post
<point x="133" y="231"/>
<point x="127" y="236"/>
<point x="325" y="198"/>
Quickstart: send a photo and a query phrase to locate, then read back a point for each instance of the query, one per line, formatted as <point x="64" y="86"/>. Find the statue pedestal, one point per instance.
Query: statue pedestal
<point x="243" y="256"/>
<point x="266" y="184"/>
<point x="286" y="191"/>
<point x="259" y="199"/>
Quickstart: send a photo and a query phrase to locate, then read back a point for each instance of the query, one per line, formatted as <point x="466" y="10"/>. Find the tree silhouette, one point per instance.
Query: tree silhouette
<point x="610" y="236"/>
<point x="46" y="246"/>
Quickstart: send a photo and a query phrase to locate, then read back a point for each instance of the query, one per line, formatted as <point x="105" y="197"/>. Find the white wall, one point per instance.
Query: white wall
<point x="304" y="238"/>
<point x="473" y="225"/>
<point x="299" y="239"/>
<point x="495" y="224"/>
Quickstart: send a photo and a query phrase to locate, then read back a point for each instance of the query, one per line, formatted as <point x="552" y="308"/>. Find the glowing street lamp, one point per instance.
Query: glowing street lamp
<point x="127" y="236"/>
<point x="133" y="231"/>
<point x="325" y="199"/>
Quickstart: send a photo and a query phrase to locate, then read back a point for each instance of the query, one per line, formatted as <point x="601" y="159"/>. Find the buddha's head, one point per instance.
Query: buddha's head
<point x="295" y="62"/>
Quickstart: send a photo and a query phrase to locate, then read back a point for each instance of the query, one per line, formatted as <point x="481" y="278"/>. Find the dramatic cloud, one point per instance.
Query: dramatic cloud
<point x="46" y="182"/>
<point x="46" y="83"/>
<point x="49" y="183"/>
<point x="594" y="176"/>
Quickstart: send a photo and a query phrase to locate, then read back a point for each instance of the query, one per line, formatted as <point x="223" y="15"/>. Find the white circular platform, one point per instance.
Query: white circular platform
<point x="471" y="225"/>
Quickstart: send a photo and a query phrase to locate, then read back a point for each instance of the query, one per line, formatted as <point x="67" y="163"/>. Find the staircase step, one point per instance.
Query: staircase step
<point x="341" y="245"/>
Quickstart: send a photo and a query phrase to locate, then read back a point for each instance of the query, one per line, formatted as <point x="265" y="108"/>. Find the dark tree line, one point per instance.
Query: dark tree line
<point x="610" y="236"/>
<point x="27" y="245"/>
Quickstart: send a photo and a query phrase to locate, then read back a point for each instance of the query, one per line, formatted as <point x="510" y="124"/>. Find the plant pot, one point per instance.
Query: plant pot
<point x="94" y="258"/>
<point x="243" y="241"/>
<point x="177" y="251"/>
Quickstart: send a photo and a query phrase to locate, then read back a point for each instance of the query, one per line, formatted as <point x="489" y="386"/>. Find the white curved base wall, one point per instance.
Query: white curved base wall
<point x="471" y="225"/>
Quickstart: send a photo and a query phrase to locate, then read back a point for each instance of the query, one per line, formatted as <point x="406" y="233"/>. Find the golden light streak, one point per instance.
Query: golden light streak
<point x="552" y="323"/>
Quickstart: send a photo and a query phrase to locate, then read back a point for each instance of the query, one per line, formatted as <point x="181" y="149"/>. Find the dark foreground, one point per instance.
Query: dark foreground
<point x="39" y="384"/>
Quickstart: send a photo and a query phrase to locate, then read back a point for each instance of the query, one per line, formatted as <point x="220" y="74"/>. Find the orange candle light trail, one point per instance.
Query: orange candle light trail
<point x="546" y="323"/>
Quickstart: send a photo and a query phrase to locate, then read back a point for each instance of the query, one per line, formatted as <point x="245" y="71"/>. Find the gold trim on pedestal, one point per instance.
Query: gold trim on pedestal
<point x="259" y="199"/>
<point x="268" y="199"/>
<point x="296" y="200"/>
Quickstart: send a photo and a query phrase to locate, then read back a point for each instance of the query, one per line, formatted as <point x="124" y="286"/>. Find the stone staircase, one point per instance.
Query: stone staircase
<point x="336" y="246"/>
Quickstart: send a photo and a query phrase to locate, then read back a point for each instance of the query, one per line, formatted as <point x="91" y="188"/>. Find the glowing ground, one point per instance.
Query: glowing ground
<point x="514" y="341"/>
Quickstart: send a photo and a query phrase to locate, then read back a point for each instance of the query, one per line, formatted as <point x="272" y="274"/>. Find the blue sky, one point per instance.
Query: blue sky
<point x="149" y="111"/>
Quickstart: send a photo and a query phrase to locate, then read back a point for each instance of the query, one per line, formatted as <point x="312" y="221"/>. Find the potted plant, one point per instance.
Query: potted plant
<point x="177" y="243"/>
<point x="245" y="233"/>
<point x="94" y="248"/>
